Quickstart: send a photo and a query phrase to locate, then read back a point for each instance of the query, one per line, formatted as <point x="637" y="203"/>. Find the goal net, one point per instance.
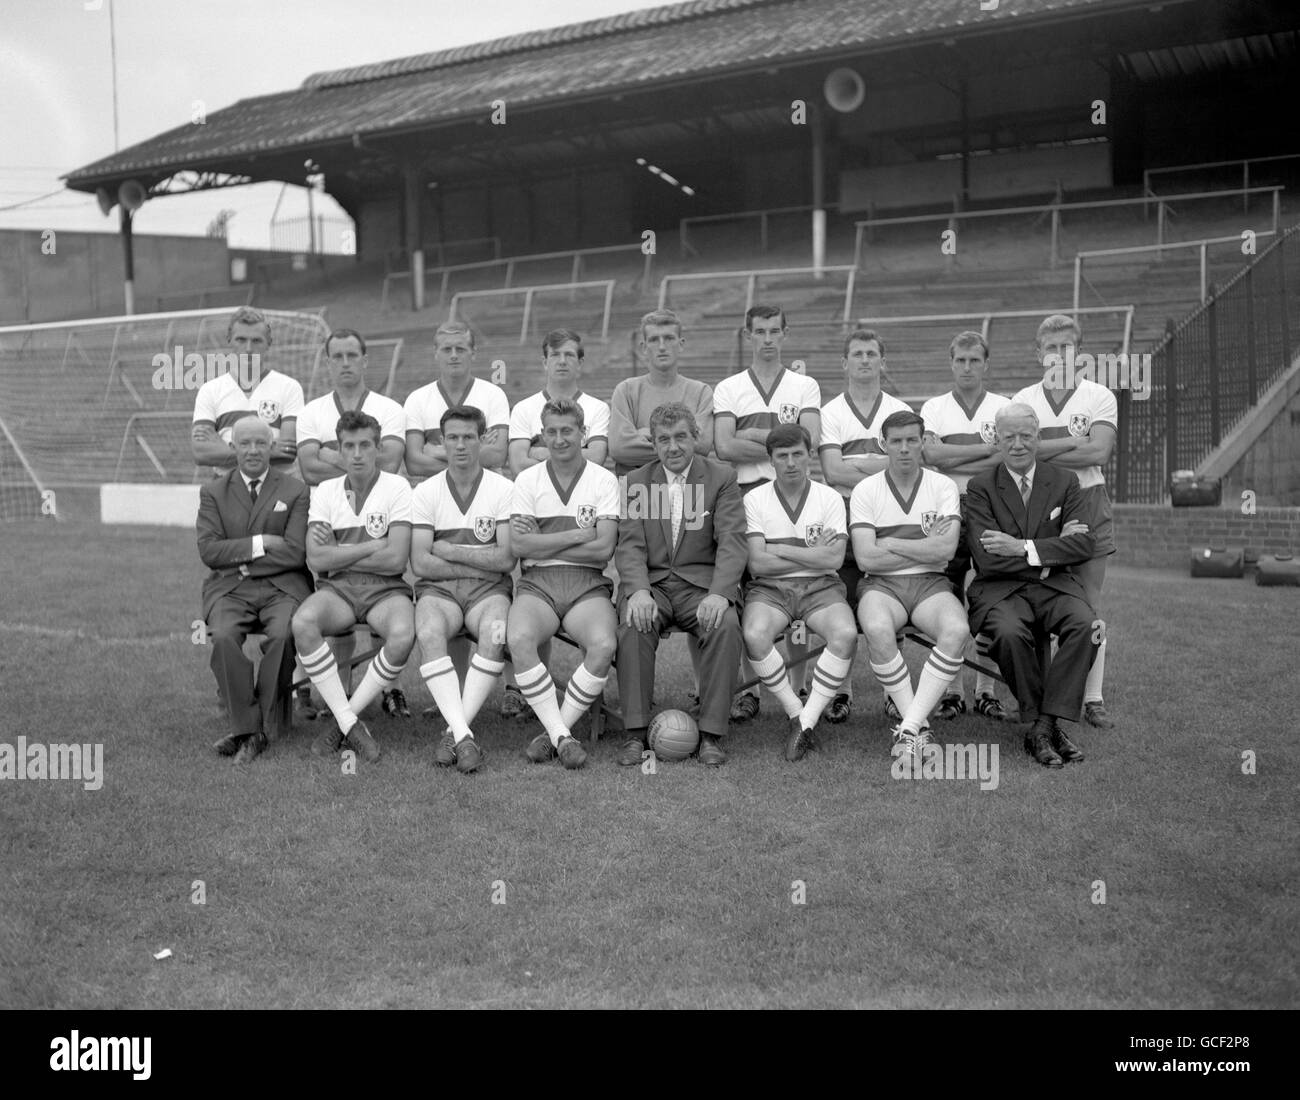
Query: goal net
<point x="87" y="402"/>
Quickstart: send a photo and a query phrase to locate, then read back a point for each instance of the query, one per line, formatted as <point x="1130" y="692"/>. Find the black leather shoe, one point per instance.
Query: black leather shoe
<point x="468" y="755"/>
<point x="711" y="750"/>
<point x="630" y="757"/>
<point x="838" y="709"/>
<point x="445" y="754"/>
<point x="1067" y="749"/>
<point x="251" y="748"/>
<point x="571" y="753"/>
<point x="540" y="749"/>
<point x="228" y="745"/>
<point x="1038" y="743"/>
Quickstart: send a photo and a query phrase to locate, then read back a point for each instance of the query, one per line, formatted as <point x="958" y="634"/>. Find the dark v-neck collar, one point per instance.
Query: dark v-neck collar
<point x="562" y="493"/>
<point x="464" y="397"/>
<point x="464" y="504"/>
<point x="363" y="496"/>
<point x="1047" y="396"/>
<point x="793" y="513"/>
<point x="969" y="410"/>
<point x="875" y="408"/>
<point x="360" y="404"/>
<point x="766" y="396"/>
<point x="906" y="505"/>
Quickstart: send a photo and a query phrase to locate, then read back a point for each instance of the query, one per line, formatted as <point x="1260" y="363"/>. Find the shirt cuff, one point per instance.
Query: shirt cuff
<point x="1032" y="554"/>
<point x="258" y="549"/>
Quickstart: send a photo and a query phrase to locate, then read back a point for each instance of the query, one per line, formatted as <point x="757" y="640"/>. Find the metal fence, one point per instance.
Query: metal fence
<point x="1206" y="373"/>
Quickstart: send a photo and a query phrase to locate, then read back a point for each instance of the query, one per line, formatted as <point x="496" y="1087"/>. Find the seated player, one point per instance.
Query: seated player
<point x="358" y="543"/>
<point x="905" y="523"/>
<point x="460" y="550"/>
<point x="796" y="534"/>
<point x="563" y="525"/>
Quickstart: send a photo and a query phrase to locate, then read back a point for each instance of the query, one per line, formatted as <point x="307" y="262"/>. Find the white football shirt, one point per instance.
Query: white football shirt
<point x="877" y="503"/>
<point x="743" y="399"/>
<point x="950" y="421"/>
<point x="1087" y="404"/>
<point x="768" y="514"/>
<point x="354" y="521"/>
<point x="856" y="432"/>
<point x="593" y="496"/>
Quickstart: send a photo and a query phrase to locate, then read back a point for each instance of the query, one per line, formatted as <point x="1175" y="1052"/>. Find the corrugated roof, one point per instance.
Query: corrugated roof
<point x="624" y="52"/>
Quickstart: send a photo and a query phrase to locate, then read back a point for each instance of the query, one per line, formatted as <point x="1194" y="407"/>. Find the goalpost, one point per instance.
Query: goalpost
<point x="86" y="402"/>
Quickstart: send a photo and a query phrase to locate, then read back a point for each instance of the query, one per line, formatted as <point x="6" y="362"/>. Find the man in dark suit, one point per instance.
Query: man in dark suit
<point x="252" y="533"/>
<point x="1026" y="529"/>
<point x="681" y="550"/>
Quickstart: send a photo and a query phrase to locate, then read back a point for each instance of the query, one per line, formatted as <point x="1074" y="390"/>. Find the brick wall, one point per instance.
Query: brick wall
<point x="1158" y="535"/>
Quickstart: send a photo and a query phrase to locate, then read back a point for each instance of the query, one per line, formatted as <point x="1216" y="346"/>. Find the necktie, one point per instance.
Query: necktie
<point x="252" y="488"/>
<point x="675" y="506"/>
<point x="1024" y="489"/>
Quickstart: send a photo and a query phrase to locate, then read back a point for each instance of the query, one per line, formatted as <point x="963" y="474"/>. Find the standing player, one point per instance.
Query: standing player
<point x="455" y="385"/>
<point x="460" y="548"/>
<point x="318" y="448"/>
<point x="358" y="543"/>
<point x="960" y="440"/>
<point x="851" y="449"/>
<point x="905" y="523"/>
<point x="274" y="398"/>
<point x="562" y="356"/>
<point x="634" y="399"/>
<point x="563" y="524"/>
<point x="747" y="407"/>
<point x="1078" y="419"/>
<point x="797" y="538"/>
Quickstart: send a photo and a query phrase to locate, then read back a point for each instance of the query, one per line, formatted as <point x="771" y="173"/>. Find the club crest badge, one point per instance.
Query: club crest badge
<point x="988" y="431"/>
<point x="812" y="532"/>
<point x="788" y="413"/>
<point x="928" y="520"/>
<point x="269" y="411"/>
<point x="376" y="524"/>
<point x="586" y="515"/>
<point x="1079" y="424"/>
<point x="484" y="528"/>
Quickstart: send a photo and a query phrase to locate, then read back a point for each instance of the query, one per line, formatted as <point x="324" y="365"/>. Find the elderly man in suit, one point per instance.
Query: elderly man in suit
<point x="1027" y="534"/>
<point x="680" y="554"/>
<point x="252" y="534"/>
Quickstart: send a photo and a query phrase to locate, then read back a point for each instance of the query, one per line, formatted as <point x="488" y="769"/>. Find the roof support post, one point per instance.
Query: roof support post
<point x="414" y="233"/>
<point x="817" y="122"/>
<point x="128" y="261"/>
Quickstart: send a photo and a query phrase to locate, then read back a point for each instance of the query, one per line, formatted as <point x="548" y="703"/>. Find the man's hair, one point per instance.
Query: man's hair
<point x="1014" y="410"/>
<point x="762" y="312"/>
<point x="968" y="339"/>
<point x="557" y="336"/>
<point x="354" y="420"/>
<point x="256" y="422"/>
<point x="344" y="334"/>
<point x="454" y="328"/>
<point x="464" y="412"/>
<point x="863" y="334"/>
<point x="788" y="435"/>
<point x="665" y="416"/>
<point x="247" y="315"/>
<point x="660" y="317"/>
<point x="1058" y="322"/>
<point x="562" y="406"/>
<point x="900" y="419"/>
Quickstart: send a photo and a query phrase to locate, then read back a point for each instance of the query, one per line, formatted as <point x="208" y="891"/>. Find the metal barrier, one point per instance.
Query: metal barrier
<point x="395" y="357"/>
<point x="1245" y="172"/>
<point x="1159" y="249"/>
<point x="763" y="216"/>
<point x="529" y="292"/>
<point x="510" y="263"/>
<point x="395" y="259"/>
<point x="752" y="276"/>
<point x="1207" y="371"/>
<point x="1055" y="209"/>
<point x="143" y="444"/>
<point x="236" y="291"/>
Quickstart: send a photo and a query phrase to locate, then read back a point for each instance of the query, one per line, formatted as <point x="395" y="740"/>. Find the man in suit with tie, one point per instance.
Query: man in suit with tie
<point x="252" y="534"/>
<point x="680" y="554"/>
<point x="1026" y="531"/>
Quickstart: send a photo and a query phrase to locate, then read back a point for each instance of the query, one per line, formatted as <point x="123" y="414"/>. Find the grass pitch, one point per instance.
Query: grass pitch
<point x="760" y="884"/>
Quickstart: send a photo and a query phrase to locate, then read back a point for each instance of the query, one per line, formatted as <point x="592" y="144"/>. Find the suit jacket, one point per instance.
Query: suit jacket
<point x="710" y="553"/>
<point x="993" y="502"/>
<point x="228" y="520"/>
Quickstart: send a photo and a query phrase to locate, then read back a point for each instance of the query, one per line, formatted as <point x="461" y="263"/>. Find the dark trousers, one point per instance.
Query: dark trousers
<point x="719" y="658"/>
<point x="255" y="606"/>
<point x="1018" y="625"/>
